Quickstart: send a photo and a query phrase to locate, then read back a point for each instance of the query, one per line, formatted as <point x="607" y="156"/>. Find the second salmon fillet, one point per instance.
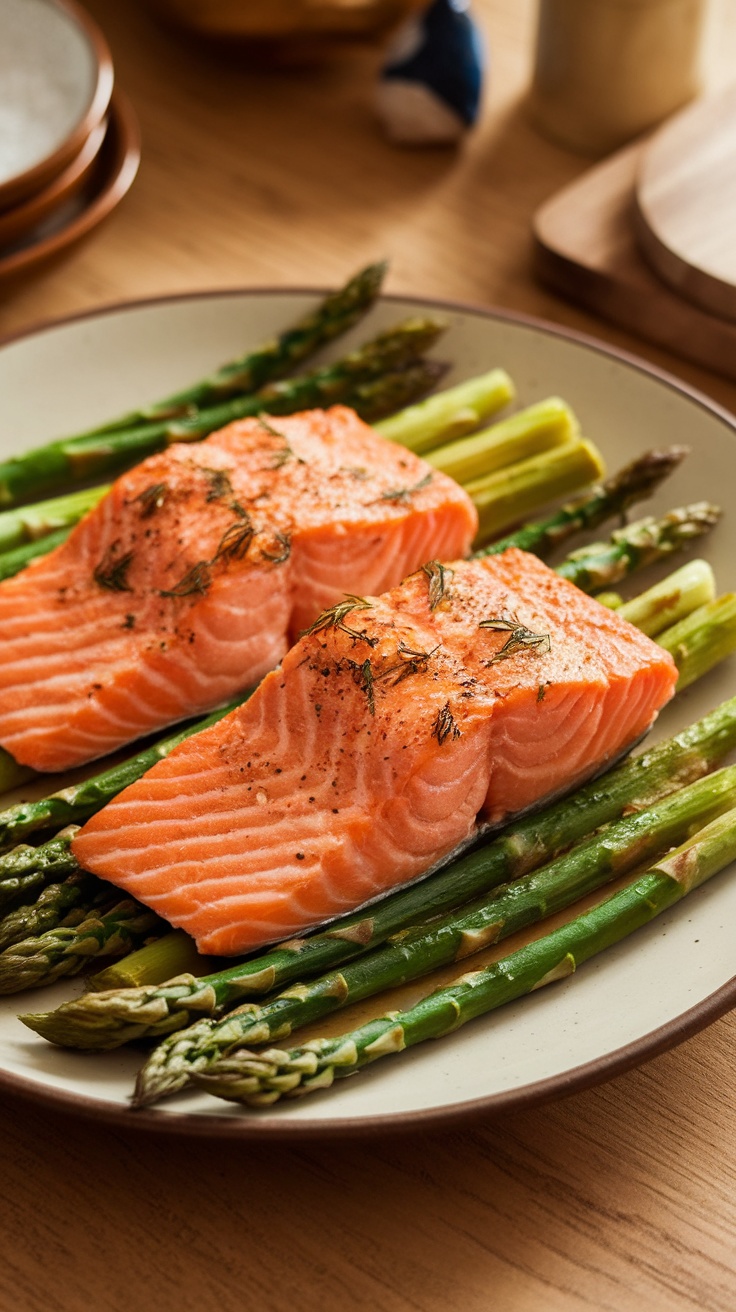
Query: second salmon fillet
<point x="392" y="730"/>
<point x="189" y="580"/>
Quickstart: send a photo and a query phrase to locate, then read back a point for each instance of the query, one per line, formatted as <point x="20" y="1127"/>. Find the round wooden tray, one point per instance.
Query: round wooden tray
<point x="685" y="203"/>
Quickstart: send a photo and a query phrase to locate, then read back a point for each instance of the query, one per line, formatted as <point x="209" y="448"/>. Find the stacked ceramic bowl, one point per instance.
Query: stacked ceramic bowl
<point x="69" y="143"/>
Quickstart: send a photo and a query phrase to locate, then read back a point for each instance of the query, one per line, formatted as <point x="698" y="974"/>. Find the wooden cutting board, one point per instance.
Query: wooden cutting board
<point x="586" y="248"/>
<point x="686" y="203"/>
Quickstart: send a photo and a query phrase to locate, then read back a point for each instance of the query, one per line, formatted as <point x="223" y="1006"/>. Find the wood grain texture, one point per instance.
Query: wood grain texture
<point x="587" y="248"/>
<point x="621" y="1199"/>
<point x="685" y="203"/>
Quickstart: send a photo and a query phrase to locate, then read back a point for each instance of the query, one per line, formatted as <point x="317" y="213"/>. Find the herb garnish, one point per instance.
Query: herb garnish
<point x="334" y="618"/>
<point x="404" y="493"/>
<point x="269" y="428"/>
<point x="444" y="726"/>
<point x="410" y="662"/>
<point x="519" y="639"/>
<point x="283" y="551"/>
<point x="152" y="498"/>
<point x="235" y="540"/>
<point x="234" y="545"/>
<point x="219" y="483"/>
<point x="196" y="579"/>
<point x="111" y="573"/>
<point x="438" y="576"/>
<point x="363" y="675"/>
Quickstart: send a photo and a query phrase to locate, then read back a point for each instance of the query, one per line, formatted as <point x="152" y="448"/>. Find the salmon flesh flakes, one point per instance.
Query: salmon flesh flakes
<point x="190" y="578"/>
<point x="391" y="732"/>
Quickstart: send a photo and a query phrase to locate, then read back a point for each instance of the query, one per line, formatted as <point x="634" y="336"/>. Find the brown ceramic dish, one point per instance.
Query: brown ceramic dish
<point x="45" y="31"/>
<point x="104" y="184"/>
<point x="21" y="220"/>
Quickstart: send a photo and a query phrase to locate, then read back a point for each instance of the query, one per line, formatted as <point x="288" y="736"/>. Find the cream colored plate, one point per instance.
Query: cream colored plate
<point x="634" y="1000"/>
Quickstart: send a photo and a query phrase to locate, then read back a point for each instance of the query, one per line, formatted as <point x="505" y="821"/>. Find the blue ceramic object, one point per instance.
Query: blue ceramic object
<point x="430" y="86"/>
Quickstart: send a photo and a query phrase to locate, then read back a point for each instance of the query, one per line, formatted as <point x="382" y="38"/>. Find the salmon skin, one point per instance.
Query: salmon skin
<point x="395" y="730"/>
<point x="191" y="577"/>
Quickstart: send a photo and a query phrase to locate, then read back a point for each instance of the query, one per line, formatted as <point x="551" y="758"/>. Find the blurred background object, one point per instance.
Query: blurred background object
<point x="69" y="142"/>
<point x="607" y="70"/>
<point x="266" y="19"/>
<point x="430" y="86"/>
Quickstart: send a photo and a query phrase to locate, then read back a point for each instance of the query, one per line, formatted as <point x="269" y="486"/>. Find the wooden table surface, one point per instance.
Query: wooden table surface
<point x="622" y="1197"/>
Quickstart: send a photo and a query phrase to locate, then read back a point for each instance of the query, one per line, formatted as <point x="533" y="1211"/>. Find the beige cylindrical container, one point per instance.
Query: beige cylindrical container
<point x="606" y="70"/>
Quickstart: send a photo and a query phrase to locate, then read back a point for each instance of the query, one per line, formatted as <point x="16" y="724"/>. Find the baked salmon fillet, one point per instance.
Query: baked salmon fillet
<point x="394" y="730"/>
<point x="190" y="578"/>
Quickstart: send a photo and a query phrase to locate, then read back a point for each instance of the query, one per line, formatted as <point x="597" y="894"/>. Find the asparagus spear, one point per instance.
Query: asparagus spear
<point x="111" y="930"/>
<point x="26" y="870"/>
<point x="450" y="414"/>
<point x="167" y="956"/>
<point x="12" y="562"/>
<point x="273" y="359"/>
<point x="421" y="949"/>
<point x="107" y="1020"/>
<point x="74" y="804"/>
<point x="695" y="653"/>
<point x="509" y="495"/>
<point x="31" y="523"/>
<point x="74" y="459"/>
<point x="634" y="482"/>
<point x="261" y="1079"/>
<point x="631" y="548"/>
<point x="65" y="903"/>
<point x="528" y="433"/>
<point x="672" y="599"/>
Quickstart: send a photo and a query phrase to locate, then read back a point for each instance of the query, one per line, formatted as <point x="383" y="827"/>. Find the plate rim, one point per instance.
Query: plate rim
<point x="23" y="185"/>
<point x="449" y="1116"/>
<point x="124" y="132"/>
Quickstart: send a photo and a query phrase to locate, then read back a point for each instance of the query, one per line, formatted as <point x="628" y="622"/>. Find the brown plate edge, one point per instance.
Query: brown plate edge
<point x="24" y="185"/>
<point x="123" y="168"/>
<point x="448" y="1118"/>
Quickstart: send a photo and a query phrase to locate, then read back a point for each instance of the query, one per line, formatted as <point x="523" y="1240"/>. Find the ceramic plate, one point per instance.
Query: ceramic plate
<point x="631" y="1002"/>
<point x="108" y="177"/>
<point x="56" y="77"/>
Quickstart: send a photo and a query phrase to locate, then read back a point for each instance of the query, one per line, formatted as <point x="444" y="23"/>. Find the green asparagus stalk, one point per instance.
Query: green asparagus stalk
<point x="26" y="871"/>
<point x="12" y="562"/>
<point x="65" y="903"/>
<point x="702" y="640"/>
<point x="634" y="482"/>
<point x="272" y="360"/>
<point x="31" y="523"/>
<point x="648" y="540"/>
<point x="261" y="1079"/>
<point x="76" y="459"/>
<point x="450" y="414"/>
<point x="110" y="931"/>
<point x="421" y="949"/>
<point x="672" y="599"/>
<point x="510" y="495"/>
<point x="528" y="433"/>
<point x="169" y="955"/>
<point x="75" y="804"/>
<point x="107" y="1020"/>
